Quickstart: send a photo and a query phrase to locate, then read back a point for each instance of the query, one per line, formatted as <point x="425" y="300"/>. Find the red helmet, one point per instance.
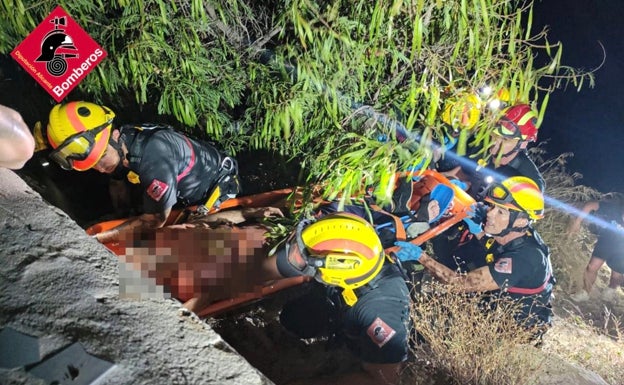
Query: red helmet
<point x="518" y="121"/>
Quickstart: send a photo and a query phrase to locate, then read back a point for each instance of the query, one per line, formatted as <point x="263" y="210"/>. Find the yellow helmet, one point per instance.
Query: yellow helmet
<point x="462" y="112"/>
<point x="79" y="133"/>
<point x="518" y="193"/>
<point x="500" y="100"/>
<point x="494" y="100"/>
<point x="344" y="249"/>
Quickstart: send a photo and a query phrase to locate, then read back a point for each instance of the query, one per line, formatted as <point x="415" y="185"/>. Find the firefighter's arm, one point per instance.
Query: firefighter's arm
<point x="242" y="215"/>
<point x="16" y="142"/>
<point x="477" y="280"/>
<point x="575" y="222"/>
<point x="144" y="221"/>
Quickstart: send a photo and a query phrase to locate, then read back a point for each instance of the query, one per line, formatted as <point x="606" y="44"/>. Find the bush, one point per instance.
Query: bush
<point x="469" y="345"/>
<point x="300" y="77"/>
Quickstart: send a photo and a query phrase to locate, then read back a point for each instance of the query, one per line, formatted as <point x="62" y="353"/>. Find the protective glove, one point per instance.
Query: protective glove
<point x="478" y="212"/>
<point x="449" y="143"/>
<point x="408" y="251"/>
<point x="473" y="227"/>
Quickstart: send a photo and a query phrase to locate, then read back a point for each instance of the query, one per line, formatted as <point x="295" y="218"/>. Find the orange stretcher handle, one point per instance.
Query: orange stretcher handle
<point x="462" y="203"/>
<point x="219" y="307"/>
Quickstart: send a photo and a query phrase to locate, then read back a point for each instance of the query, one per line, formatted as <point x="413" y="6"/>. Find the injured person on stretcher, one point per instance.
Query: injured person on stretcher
<point x="220" y="261"/>
<point x="209" y="258"/>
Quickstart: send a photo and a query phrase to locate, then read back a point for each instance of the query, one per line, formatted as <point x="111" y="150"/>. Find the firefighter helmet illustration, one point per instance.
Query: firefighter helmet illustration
<point x="53" y="48"/>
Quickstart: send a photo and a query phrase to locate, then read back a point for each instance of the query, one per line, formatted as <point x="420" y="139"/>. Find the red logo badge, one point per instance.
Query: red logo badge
<point x="58" y="54"/>
<point x="503" y="266"/>
<point x="157" y="189"/>
<point x="380" y="332"/>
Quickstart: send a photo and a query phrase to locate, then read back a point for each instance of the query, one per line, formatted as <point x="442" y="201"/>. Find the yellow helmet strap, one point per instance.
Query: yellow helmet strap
<point x="349" y="296"/>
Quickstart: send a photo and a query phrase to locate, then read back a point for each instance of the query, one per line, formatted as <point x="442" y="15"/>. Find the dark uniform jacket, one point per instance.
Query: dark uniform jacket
<point x="610" y="233"/>
<point x="171" y="167"/>
<point x="523" y="271"/>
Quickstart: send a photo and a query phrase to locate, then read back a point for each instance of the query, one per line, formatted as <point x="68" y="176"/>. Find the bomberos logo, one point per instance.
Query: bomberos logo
<point x="58" y="54"/>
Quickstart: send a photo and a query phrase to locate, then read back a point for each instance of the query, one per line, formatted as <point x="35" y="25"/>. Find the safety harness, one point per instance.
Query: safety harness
<point x="227" y="186"/>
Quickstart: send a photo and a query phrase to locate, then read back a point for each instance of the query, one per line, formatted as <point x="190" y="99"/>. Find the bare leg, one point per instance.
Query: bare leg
<point x="617" y="279"/>
<point x="591" y="272"/>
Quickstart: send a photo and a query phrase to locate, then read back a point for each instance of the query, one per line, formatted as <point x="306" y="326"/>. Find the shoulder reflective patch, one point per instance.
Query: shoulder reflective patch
<point x="380" y="332"/>
<point x="503" y="266"/>
<point x="157" y="189"/>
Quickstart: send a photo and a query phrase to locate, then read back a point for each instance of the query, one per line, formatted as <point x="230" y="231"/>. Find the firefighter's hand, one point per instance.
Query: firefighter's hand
<point x="473" y="227"/>
<point x="408" y="251"/>
<point x="476" y="214"/>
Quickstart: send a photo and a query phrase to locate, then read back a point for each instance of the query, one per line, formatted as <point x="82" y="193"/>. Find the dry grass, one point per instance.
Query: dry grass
<point x="569" y="254"/>
<point x="589" y="334"/>
<point x="470" y="346"/>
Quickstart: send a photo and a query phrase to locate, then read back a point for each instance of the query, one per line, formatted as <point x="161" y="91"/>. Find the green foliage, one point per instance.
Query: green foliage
<point x="337" y="65"/>
<point x="166" y="53"/>
<point x="403" y="58"/>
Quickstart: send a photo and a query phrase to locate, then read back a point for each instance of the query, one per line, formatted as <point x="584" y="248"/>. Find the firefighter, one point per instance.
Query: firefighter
<point x="521" y="268"/>
<point x="169" y="167"/>
<point x="364" y="298"/>
<point x="514" y="131"/>
<point x="507" y="157"/>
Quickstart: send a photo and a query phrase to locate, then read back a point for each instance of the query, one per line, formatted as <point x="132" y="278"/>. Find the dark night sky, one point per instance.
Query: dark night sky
<point x="589" y="123"/>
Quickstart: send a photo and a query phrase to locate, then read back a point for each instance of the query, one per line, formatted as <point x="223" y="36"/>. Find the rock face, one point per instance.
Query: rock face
<point x="558" y="372"/>
<point x="552" y="370"/>
<point x="61" y="287"/>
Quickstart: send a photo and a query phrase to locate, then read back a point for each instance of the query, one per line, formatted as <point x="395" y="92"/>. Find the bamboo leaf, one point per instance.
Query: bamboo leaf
<point x="485" y="15"/>
<point x="542" y="111"/>
<point x="529" y="24"/>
